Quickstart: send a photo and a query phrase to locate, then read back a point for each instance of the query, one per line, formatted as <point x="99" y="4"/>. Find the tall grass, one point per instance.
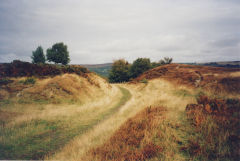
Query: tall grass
<point x="214" y="134"/>
<point x="41" y="136"/>
<point x="155" y="93"/>
<point x="133" y="140"/>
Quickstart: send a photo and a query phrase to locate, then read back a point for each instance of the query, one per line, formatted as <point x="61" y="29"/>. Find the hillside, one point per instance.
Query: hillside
<point x="41" y="113"/>
<point x="101" y="69"/>
<point x="226" y="64"/>
<point x="216" y="79"/>
<point x="172" y="112"/>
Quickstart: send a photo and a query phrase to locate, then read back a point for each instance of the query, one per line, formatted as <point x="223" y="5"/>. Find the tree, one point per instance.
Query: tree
<point x="119" y="71"/>
<point x="38" y="56"/>
<point x="167" y="60"/>
<point x="139" y="66"/>
<point x="58" y="54"/>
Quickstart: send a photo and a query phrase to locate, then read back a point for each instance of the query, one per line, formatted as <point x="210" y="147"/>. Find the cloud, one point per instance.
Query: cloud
<point x="100" y="31"/>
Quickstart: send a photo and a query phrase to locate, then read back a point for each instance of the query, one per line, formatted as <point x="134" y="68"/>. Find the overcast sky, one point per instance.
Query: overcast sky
<point x="100" y="31"/>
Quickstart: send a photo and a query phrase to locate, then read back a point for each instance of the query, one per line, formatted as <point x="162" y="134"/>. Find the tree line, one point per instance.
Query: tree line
<point x="58" y="53"/>
<point x="122" y="71"/>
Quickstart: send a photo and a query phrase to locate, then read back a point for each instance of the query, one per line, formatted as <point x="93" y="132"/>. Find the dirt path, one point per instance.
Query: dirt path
<point x="88" y="138"/>
<point x="154" y="93"/>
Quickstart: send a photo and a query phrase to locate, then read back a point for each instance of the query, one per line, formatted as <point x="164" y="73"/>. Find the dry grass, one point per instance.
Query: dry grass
<point x="134" y="140"/>
<point x="105" y="125"/>
<point x="215" y="125"/>
<point x="67" y="86"/>
<point x="215" y="79"/>
<point x="31" y="131"/>
<point x="155" y="93"/>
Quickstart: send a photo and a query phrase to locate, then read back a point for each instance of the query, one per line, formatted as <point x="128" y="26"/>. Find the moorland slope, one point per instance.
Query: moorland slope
<point x="174" y="114"/>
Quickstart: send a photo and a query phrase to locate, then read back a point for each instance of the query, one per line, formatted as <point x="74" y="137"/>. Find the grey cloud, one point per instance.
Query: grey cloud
<point x="100" y="31"/>
<point x="227" y="42"/>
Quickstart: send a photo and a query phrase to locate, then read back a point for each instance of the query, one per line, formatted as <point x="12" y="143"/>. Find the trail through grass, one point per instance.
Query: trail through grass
<point x="41" y="136"/>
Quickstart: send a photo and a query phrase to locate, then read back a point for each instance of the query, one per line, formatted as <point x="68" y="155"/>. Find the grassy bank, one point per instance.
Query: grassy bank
<point x="50" y="127"/>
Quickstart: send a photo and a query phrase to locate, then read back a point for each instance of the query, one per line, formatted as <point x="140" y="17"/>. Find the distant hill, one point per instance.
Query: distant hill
<point x="226" y="64"/>
<point x="100" y="69"/>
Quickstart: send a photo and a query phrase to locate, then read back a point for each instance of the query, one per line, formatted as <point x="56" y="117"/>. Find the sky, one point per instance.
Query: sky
<point x="100" y="31"/>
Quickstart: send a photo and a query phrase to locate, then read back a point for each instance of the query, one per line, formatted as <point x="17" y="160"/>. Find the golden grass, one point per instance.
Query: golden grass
<point x="67" y="120"/>
<point x="67" y="86"/>
<point x="155" y="93"/>
<point x="98" y="99"/>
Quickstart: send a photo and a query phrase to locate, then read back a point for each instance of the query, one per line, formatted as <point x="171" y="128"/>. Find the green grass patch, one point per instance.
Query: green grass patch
<point x="36" y="139"/>
<point x="183" y="93"/>
<point x="6" y="102"/>
<point x="27" y="81"/>
<point x="144" y="80"/>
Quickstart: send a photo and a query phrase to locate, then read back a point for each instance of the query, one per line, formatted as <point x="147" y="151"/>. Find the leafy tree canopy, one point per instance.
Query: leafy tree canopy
<point x="58" y="54"/>
<point x="119" y="71"/>
<point x="139" y="66"/>
<point x="38" y="56"/>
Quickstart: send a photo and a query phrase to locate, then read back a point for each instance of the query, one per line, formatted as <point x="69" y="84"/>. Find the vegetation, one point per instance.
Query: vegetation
<point x="119" y="71"/>
<point x="19" y="69"/>
<point x="214" y="134"/>
<point x="30" y="80"/>
<point x="122" y="71"/>
<point x="139" y="66"/>
<point x="144" y="81"/>
<point x="58" y="53"/>
<point x="176" y="112"/>
<point x="164" y="61"/>
<point x="131" y="141"/>
<point x="37" y="134"/>
<point x="4" y="81"/>
<point x="102" y="71"/>
<point x="38" y="56"/>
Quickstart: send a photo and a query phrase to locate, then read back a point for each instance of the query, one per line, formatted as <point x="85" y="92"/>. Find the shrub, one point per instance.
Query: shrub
<point x="28" y="81"/>
<point x="139" y="66"/>
<point x="20" y="69"/>
<point x="215" y="125"/>
<point x="5" y="81"/>
<point x="119" y="71"/>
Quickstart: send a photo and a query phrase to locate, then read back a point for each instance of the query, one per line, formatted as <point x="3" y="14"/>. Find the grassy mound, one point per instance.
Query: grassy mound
<point x="216" y="79"/>
<point x="61" y="88"/>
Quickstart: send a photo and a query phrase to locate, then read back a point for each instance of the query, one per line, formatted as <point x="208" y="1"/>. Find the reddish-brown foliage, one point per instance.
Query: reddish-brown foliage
<point x="214" y="78"/>
<point x="18" y="69"/>
<point x="218" y="121"/>
<point x="127" y="143"/>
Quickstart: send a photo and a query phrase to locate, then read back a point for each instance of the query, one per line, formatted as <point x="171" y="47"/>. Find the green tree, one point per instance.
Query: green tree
<point x="119" y="71"/>
<point x="38" y="56"/>
<point x="167" y="60"/>
<point x="139" y="66"/>
<point x="58" y="54"/>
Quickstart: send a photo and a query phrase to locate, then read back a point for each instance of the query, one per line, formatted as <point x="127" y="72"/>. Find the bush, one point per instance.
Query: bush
<point x="139" y="66"/>
<point x="165" y="60"/>
<point x="24" y="69"/>
<point x="5" y="81"/>
<point x="28" y="81"/>
<point x="119" y="71"/>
